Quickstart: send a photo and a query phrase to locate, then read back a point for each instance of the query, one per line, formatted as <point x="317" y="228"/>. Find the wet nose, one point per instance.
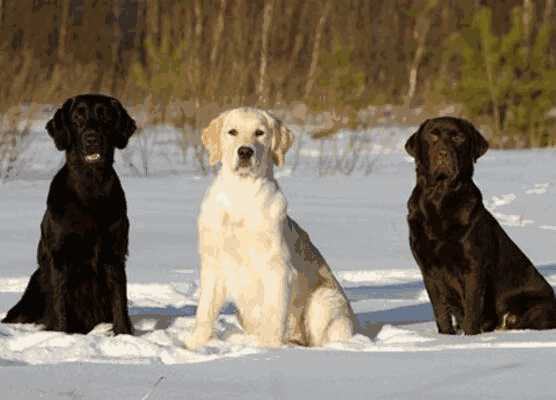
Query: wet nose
<point x="90" y="138"/>
<point x="443" y="154"/>
<point x="245" y="152"/>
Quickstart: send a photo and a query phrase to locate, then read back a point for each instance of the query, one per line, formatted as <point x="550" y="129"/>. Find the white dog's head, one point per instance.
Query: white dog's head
<point x="247" y="141"/>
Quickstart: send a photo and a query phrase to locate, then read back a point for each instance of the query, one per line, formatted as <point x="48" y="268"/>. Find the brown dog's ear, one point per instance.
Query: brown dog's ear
<point x="282" y="139"/>
<point x="412" y="143"/>
<point x="58" y="127"/>
<point x="125" y="125"/>
<point x="211" y="139"/>
<point x="479" y="144"/>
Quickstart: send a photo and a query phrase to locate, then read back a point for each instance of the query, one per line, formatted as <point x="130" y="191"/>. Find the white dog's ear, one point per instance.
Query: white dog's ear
<point x="211" y="139"/>
<point x="282" y="139"/>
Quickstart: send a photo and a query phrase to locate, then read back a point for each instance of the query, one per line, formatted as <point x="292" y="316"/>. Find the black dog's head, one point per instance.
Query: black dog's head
<point x="445" y="149"/>
<point x="88" y="127"/>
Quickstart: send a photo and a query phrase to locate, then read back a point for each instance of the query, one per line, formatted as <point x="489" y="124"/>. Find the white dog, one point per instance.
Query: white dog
<point x="252" y="253"/>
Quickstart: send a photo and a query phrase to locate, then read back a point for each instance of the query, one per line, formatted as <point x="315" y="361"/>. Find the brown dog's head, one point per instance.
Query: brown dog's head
<point x="445" y="149"/>
<point x="88" y="127"/>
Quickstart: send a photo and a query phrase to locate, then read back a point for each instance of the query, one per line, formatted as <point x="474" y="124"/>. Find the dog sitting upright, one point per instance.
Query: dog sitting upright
<point x="252" y="253"/>
<point x="81" y="279"/>
<point x="473" y="272"/>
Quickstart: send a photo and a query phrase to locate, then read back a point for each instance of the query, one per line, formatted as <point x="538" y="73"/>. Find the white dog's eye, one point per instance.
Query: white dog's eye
<point x="232" y="132"/>
<point x="258" y="132"/>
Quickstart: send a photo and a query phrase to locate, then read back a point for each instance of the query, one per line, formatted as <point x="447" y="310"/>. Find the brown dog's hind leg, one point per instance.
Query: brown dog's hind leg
<point x="539" y="317"/>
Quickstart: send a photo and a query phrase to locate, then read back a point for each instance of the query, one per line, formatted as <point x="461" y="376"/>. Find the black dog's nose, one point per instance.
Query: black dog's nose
<point x="443" y="154"/>
<point x="90" y="138"/>
<point x="244" y="153"/>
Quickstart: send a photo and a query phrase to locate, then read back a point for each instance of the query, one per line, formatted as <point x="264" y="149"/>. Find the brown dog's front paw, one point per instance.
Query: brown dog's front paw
<point x="469" y="330"/>
<point x="445" y="328"/>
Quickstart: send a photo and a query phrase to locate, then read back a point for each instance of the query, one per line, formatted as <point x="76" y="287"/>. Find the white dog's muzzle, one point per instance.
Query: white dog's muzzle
<point x="245" y="158"/>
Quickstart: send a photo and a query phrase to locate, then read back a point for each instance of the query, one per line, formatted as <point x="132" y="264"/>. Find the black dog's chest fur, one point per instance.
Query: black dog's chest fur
<point x="85" y="237"/>
<point x="79" y="234"/>
<point x="81" y="256"/>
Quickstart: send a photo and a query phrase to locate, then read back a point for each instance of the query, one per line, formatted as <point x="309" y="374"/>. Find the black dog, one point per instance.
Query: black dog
<point x="472" y="270"/>
<point x="81" y="279"/>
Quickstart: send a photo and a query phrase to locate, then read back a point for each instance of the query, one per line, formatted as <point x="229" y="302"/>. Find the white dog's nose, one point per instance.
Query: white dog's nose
<point x="245" y="152"/>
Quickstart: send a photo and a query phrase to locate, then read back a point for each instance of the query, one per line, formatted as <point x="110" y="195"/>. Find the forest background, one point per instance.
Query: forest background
<point x="359" y="62"/>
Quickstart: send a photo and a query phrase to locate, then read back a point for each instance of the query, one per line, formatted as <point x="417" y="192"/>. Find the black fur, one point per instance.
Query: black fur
<point x="472" y="270"/>
<point x="81" y="279"/>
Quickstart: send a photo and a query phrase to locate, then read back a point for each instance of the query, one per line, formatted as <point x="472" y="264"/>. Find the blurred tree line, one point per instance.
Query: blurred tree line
<point x="184" y="60"/>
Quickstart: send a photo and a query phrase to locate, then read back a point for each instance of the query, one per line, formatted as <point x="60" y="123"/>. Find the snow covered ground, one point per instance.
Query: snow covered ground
<point x="358" y="222"/>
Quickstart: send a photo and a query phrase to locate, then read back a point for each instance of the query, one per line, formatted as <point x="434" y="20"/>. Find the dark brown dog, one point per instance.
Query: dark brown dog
<point x="473" y="272"/>
<point x="81" y="278"/>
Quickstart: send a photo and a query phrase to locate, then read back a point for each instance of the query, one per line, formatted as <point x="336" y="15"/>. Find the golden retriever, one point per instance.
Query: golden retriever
<point x="252" y="253"/>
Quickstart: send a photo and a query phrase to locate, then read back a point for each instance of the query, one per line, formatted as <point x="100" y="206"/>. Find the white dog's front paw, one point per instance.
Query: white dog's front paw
<point x="197" y="340"/>
<point x="271" y="342"/>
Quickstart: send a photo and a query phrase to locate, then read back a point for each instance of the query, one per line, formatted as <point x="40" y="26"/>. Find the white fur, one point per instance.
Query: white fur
<point x="253" y="254"/>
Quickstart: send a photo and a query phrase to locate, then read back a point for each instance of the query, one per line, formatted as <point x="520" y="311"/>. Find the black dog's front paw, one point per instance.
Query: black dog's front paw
<point x="123" y="329"/>
<point x="57" y="326"/>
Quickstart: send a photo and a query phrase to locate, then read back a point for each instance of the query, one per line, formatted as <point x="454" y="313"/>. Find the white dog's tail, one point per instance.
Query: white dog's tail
<point x="328" y="317"/>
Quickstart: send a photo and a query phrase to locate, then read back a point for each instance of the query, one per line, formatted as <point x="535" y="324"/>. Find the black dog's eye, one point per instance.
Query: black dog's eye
<point x="435" y="134"/>
<point x="79" y="116"/>
<point x="258" y="132"/>
<point x="104" y="114"/>
<point x="232" y="132"/>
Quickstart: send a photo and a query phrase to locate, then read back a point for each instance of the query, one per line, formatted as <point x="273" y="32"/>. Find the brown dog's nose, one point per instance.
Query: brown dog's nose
<point x="245" y="152"/>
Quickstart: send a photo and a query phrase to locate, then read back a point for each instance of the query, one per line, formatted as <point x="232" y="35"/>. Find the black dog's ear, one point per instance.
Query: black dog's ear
<point x="412" y="143"/>
<point x="479" y="144"/>
<point x="58" y="126"/>
<point x="125" y="125"/>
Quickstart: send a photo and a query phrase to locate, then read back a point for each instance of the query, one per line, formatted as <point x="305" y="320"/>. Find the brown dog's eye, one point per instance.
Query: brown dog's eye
<point x="456" y="137"/>
<point x="435" y="134"/>
<point x="258" y="132"/>
<point x="232" y="132"/>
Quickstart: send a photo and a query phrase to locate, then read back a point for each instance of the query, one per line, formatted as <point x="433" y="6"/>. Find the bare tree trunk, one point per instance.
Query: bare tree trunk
<point x="218" y="29"/>
<point x="491" y="89"/>
<point x="267" y="16"/>
<point x="297" y="46"/>
<point x="117" y="32"/>
<point x="548" y="7"/>
<point x="61" y="53"/>
<point x="316" y="48"/>
<point x="420" y="32"/>
<point x="527" y="18"/>
<point x="248" y="70"/>
<point x="548" y="10"/>
<point x="198" y="10"/>
<point x="215" y="74"/>
<point x="61" y="59"/>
